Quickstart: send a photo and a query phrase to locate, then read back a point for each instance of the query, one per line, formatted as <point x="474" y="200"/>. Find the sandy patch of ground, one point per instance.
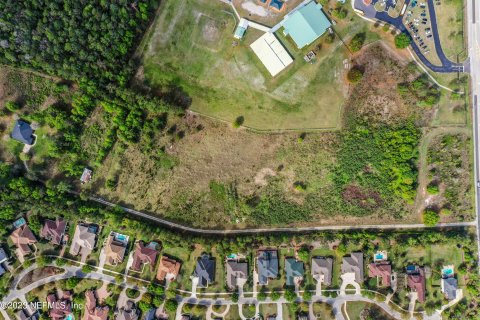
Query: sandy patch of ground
<point x="255" y="9"/>
<point x="262" y="175"/>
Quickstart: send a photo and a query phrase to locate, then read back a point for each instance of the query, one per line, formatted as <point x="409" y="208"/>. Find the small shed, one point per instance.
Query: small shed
<point x="241" y="29"/>
<point x="86" y="175"/>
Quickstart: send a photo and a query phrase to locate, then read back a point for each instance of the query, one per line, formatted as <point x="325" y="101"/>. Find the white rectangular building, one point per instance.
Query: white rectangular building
<point x="272" y="53"/>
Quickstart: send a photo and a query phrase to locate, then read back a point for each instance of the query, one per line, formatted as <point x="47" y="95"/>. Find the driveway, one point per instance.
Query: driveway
<point x="101" y="261"/>
<point x="349" y="279"/>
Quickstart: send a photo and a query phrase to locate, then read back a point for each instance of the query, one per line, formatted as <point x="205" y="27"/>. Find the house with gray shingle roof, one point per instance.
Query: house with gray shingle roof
<point x="354" y="263"/>
<point x="267" y="265"/>
<point x="449" y="288"/>
<point x="205" y="271"/>
<point x="294" y="271"/>
<point x="23" y="132"/>
<point x="322" y="270"/>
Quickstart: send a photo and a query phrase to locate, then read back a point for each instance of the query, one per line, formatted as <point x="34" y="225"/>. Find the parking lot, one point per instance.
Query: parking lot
<point x="417" y="21"/>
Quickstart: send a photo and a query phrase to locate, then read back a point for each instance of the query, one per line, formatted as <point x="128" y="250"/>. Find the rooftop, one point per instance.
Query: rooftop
<point x="267" y="261"/>
<point x="306" y="24"/>
<point x="23" y="132"/>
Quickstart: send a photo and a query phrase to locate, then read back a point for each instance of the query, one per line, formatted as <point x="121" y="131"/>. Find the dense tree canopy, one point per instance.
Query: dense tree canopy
<point x="72" y="38"/>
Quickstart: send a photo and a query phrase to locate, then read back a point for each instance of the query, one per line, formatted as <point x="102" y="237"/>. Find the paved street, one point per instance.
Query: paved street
<point x="473" y="28"/>
<point x="447" y="65"/>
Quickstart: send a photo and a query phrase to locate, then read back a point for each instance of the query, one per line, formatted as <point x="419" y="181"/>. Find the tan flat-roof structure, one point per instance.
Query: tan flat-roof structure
<point x="272" y="53"/>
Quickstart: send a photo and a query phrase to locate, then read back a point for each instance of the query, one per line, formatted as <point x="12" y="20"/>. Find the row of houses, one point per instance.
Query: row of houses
<point x="267" y="261"/>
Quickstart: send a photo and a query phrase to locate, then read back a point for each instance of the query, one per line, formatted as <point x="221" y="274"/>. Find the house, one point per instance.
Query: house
<point x="322" y="270"/>
<point x="205" y="271"/>
<point x="144" y="255"/>
<point x="129" y="312"/>
<point x="3" y="262"/>
<point x="416" y="281"/>
<point x="294" y="271"/>
<point x="354" y="264"/>
<point x="168" y="269"/>
<point x="236" y="270"/>
<point x="86" y="175"/>
<point x="271" y="53"/>
<point x="381" y="271"/>
<point x="23" y="132"/>
<point x="306" y="24"/>
<point x="23" y="314"/>
<point x="449" y="284"/>
<point x="115" y="248"/>
<point x="267" y="264"/>
<point x="23" y="238"/>
<point x="84" y="239"/>
<point x="54" y="231"/>
<point x="92" y="310"/>
<point x="59" y="309"/>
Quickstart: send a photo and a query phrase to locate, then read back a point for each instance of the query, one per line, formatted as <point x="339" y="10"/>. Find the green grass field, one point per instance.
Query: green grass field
<point x="450" y="20"/>
<point x="227" y="81"/>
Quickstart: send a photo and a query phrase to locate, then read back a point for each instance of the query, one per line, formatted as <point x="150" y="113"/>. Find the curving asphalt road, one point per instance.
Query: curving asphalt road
<point x="447" y="65"/>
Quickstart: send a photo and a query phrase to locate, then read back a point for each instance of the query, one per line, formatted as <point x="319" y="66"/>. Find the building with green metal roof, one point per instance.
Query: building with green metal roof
<point x="293" y="270"/>
<point x="306" y="24"/>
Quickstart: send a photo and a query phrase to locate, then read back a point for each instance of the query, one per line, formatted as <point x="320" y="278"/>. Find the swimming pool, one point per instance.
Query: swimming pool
<point x="447" y="271"/>
<point x="121" y="237"/>
<point x="18" y="223"/>
<point x="379" y="256"/>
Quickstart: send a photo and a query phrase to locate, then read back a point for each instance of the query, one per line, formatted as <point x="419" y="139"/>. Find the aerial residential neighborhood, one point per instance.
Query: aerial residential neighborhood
<point x="239" y="159"/>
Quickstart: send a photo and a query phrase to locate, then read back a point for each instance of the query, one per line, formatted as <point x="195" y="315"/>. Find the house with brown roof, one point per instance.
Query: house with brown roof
<point x="236" y="271"/>
<point x="322" y="269"/>
<point x="354" y="264"/>
<point x="382" y="271"/>
<point x="54" y="231"/>
<point x="84" y="239"/>
<point x="59" y="308"/>
<point x="115" y="248"/>
<point x="23" y="238"/>
<point x="144" y="255"/>
<point x="416" y="281"/>
<point x="92" y="310"/>
<point x="129" y="312"/>
<point x="168" y="269"/>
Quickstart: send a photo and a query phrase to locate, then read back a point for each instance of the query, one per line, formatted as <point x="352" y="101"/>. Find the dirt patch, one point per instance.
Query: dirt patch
<point x="255" y="9"/>
<point x="262" y="175"/>
<point x="38" y="274"/>
<point x="210" y="31"/>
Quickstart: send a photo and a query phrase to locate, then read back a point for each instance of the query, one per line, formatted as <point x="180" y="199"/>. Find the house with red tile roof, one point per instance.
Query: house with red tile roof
<point x="59" y="309"/>
<point x="382" y="271"/>
<point x="168" y="269"/>
<point x="416" y="282"/>
<point x="23" y="238"/>
<point x="54" y="231"/>
<point x="92" y="310"/>
<point x="144" y="255"/>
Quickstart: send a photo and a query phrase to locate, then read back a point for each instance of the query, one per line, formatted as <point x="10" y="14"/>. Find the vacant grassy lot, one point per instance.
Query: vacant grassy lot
<point x="450" y="21"/>
<point x="228" y="81"/>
